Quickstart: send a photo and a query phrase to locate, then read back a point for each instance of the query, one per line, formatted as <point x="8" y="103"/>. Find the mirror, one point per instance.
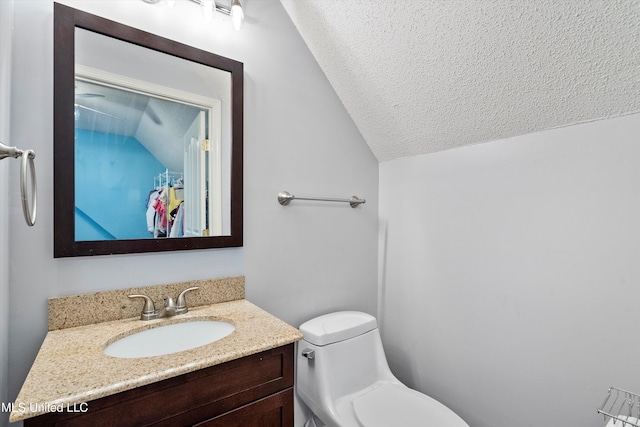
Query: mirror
<point x="147" y="141"/>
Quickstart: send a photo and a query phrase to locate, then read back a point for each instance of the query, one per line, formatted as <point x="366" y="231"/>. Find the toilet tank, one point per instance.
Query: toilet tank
<point x="347" y="357"/>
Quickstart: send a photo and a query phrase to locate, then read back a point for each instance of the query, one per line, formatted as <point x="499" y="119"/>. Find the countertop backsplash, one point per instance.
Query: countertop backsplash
<point x="86" y="309"/>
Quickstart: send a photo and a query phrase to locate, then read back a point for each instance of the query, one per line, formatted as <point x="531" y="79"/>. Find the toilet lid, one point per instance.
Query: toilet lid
<point x="396" y="405"/>
<point x="335" y="327"/>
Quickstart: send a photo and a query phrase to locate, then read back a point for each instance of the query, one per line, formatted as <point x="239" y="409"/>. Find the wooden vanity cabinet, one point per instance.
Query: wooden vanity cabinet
<point x="253" y="391"/>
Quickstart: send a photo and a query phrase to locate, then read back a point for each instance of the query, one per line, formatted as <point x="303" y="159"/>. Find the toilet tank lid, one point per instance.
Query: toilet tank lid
<point x="334" y="327"/>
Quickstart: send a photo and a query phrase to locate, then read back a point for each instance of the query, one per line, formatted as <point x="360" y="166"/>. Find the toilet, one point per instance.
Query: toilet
<point x="342" y="375"/>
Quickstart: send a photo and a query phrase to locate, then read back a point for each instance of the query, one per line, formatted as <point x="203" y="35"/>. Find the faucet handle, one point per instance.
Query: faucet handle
<point x="181" y="305"/>
<point x="149" y="309"/>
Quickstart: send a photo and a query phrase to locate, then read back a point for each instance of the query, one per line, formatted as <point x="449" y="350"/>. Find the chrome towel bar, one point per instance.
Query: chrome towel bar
<point x="29" y="209"/>
<point x="284" y="198"/>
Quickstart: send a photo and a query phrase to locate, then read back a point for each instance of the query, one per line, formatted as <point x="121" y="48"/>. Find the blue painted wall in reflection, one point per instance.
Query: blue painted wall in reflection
<point x="114" y="176"/>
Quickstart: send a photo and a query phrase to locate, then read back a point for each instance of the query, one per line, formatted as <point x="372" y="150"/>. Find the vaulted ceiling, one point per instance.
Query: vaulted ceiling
<point x="420" y="76"/>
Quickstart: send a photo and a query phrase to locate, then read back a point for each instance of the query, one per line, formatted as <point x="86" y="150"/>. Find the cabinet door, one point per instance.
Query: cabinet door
<point x="272" y="411"/>
<point x="187" y="399"/>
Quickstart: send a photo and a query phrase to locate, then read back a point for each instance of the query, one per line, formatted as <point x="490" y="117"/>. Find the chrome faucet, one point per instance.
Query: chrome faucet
<point x="169" y="308"/>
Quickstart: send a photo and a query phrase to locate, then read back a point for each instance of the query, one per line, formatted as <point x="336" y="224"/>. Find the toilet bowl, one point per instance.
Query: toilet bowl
<point x="342" y="375"/>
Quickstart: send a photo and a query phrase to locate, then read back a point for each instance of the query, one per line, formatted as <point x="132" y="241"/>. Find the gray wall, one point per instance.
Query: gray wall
<point x="298" y="260"/>
<point x="510" y="273"/>
<point x="6" y="19"/>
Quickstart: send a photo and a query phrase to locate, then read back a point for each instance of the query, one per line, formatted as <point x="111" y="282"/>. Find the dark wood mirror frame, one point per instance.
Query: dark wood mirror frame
<point x="66" y="20"/>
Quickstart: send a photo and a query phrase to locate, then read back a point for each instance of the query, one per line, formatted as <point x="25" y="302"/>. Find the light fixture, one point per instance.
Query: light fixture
<point x="236" y="11"/>
<point x="237" y="15"/>
<point x="208" y="6"/>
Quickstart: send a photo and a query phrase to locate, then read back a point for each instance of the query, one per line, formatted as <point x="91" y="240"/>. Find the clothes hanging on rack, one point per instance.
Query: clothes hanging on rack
<point x="151" y="212"/>
<point x="163" y="205"/>
<point x="177" y="229"/>
<point x="176" y="196"/>
<point x="160" y="206"/>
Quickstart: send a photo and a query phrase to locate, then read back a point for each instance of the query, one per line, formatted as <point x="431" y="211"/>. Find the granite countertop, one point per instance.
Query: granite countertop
<point x="71" y="368"/>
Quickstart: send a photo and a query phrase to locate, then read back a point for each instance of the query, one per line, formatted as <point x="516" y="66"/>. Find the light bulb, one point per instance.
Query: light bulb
<point x="208" y="6"/>
<point x="237" y="15"/>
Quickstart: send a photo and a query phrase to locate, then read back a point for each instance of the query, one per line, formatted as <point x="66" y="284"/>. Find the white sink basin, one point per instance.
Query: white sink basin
<point x="169" y="339"/>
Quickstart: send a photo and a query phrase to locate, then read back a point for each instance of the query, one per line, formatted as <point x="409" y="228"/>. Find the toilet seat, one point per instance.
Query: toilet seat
<point x="396" y="404"/>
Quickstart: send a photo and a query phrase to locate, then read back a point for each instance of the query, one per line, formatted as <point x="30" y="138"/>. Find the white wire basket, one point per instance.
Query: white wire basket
<point x="621" y="408"/>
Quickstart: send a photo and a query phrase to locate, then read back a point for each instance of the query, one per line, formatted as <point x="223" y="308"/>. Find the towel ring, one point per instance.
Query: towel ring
<point x="27" y="163"/>
<point x="28" y="208"/>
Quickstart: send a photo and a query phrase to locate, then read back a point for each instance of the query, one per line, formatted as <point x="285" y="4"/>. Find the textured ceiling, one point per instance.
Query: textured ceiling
<point x="420" y="76"/>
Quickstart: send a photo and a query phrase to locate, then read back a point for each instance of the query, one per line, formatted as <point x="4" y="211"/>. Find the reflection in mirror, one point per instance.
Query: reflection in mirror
<point x="147" y="160"/>
<point x="154" y="131"/>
